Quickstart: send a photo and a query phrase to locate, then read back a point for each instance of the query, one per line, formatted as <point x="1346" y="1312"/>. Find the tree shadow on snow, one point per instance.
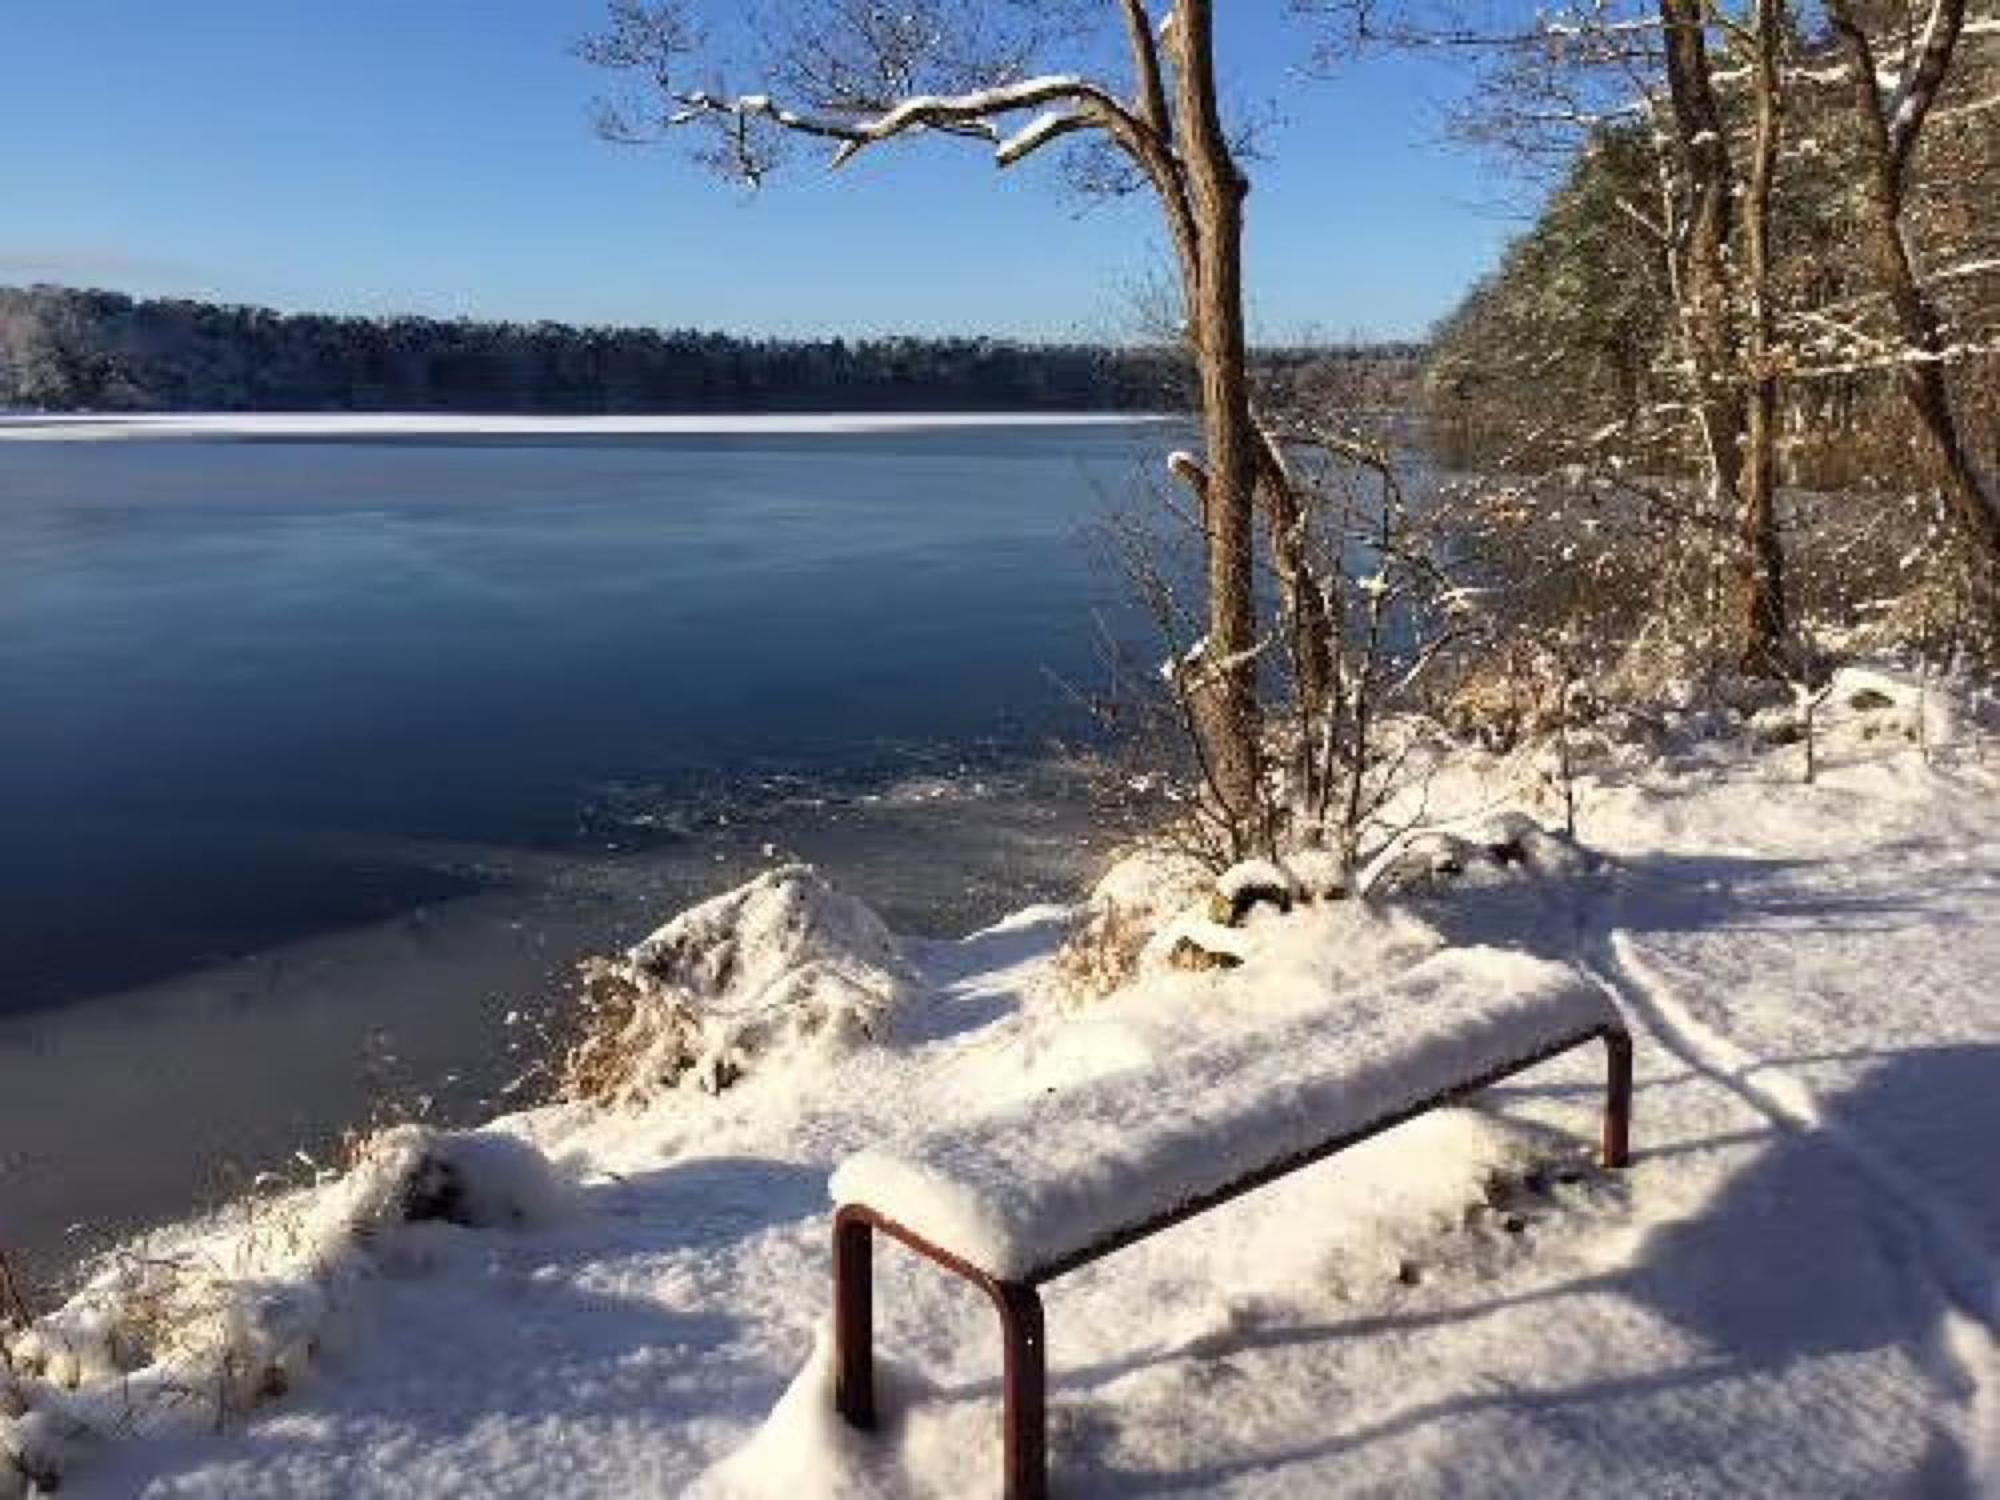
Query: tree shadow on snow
<point x="1552" y="916"/>
<point x="942" y="1011"/>
<point x="1845" y="1240"/>
<point x="709" y="1202"/>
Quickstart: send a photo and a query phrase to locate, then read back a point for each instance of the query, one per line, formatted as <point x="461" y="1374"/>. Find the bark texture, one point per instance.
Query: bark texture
<point x="1736" y="394"/>
<point x="1226" y="703"/>
<point x="1762" y="623"/>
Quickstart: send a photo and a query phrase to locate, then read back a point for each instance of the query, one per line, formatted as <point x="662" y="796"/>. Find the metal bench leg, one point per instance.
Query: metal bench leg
<point x="1618" y="1099"/>
<point x="854" y="1319"/>
<point x="1025" y="1386"/>
<point x="1024" y="1383"/>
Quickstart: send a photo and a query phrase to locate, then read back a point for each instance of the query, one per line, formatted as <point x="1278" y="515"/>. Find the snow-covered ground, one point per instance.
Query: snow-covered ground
<point x="1792" y="1292"/>
<point x="308" y="425"/>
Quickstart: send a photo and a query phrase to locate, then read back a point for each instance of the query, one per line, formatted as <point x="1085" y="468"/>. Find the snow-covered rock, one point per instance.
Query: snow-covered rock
<point x="1248" y="884"/>
<point x="1497" y="851"/>
<point x="1318" y="875"/>
<point x="414" y="1175"/>
<point x="1195" y="942"/>
<point x="1872" y="703"/>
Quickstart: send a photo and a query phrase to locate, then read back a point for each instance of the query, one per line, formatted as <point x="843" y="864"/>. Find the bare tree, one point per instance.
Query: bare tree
<point x="858" y="74"/>
<point x="1764" y="623"/>
<point x="1892" y="128"/>
<point x="1726" y="295"/>
<point x="1553" y="85"/>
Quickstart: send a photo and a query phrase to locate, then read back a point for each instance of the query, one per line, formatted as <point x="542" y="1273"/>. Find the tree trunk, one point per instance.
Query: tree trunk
<point x="1704" y="283"/>
<point x="1299" y="594"/>
<point x="1922" y="377"/>
<point x="1226" y="706"/>
<point x="1762" y="623"/>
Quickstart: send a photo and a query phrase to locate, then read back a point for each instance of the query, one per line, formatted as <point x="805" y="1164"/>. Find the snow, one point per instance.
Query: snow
<point x="1251" y="877"/>
<point x="309" y="425"/>
<point x="1016" y="1193"/>
<point x="1035" y="134"/>
<point x="1791" y="1292"/>
<point x="173" y="1338"/>
<point x="1318" y="874"/>
<point x="782" y="967"/>
<point x="973" y="104"/>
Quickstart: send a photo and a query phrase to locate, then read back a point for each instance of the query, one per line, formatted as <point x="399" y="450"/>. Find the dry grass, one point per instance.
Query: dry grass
<point x="626" y="1023"/>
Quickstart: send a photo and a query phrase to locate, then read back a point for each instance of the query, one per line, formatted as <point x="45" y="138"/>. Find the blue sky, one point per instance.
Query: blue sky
<point x="436" y="156"/>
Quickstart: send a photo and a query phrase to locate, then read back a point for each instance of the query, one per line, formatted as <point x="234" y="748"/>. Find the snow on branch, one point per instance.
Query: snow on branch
<point x="1918" y="88"/>
<point x="975" y="113"/>
<point x="1039" y="132"/>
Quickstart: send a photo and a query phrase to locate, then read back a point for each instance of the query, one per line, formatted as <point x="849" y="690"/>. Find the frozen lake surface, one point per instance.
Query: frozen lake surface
<point x="326" y="743"/>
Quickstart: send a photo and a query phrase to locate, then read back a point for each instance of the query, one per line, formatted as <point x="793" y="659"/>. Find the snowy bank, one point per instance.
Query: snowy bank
<point x="183" y="1334"/>
<point x="1791" y="1292"/>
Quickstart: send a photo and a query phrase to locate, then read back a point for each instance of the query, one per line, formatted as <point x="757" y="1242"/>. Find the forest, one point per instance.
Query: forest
<point x="1757" y="317"/>
<point x="77" y="350"/>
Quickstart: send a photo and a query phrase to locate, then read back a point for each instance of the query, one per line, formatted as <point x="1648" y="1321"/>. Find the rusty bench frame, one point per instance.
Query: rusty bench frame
<point x="1024" y="1382"/>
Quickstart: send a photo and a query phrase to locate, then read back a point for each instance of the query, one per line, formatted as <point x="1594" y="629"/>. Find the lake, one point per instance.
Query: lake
<point x="325" y="747"/>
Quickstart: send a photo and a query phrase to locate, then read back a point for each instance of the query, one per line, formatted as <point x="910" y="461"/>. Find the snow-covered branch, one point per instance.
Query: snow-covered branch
<point x="977" y="113"/>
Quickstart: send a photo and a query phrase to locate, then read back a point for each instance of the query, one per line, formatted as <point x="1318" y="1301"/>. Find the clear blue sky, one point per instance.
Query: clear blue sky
<point x="436" y="156"/>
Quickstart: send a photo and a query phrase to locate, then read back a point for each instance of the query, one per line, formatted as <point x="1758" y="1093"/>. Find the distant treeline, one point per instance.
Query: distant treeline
<point x="69" y="350"/>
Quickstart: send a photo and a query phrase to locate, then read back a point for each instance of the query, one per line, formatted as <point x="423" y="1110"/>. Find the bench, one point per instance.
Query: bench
<point x="1019" y="1199"/>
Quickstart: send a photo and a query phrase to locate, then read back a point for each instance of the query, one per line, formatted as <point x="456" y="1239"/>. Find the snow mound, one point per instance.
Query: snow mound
<point x="1318" y="874"/>
<point x="1195" y="941"/>
<point x="180" y="1339"/>
<point x="1255" y="879"/>
<point x="415" y="1175"/>
<point x="1503" y="850"/>
<point x="1889" y="703"/>
<point x="782" y="967"/>
<point x="1018" y="1191"/>
<point x="805" y="1447"/>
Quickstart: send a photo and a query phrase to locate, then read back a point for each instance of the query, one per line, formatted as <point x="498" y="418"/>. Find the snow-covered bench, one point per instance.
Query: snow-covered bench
<point x="1017" y="1200"/>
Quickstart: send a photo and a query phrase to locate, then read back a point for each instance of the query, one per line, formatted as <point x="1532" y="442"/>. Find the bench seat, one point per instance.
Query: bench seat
<point x="1056" y="1180"/>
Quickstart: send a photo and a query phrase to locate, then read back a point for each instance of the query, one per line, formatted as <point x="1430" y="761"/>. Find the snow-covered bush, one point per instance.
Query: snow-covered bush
<point x="782" y="965"/>
<point x="165" y="1338"/>
<point x="1138" y="896"/>
<point x="1162" y="906"/>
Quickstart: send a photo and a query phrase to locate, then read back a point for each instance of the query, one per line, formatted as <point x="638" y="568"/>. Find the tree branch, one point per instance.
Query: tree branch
<point x="1146" y="68"/>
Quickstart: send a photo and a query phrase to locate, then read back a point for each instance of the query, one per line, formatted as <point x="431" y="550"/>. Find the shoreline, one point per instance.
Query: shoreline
<point x="200" y="1082"/>
<point x="306" y="426"/>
